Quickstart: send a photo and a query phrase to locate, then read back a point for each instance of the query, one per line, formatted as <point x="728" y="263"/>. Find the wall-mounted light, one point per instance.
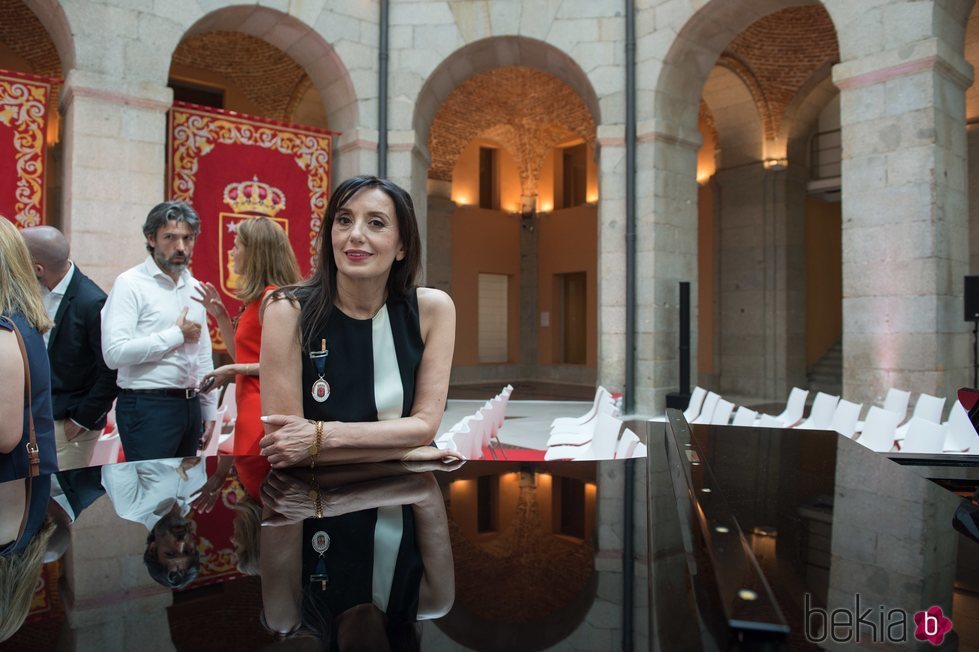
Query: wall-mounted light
<point x="775" y="164"/>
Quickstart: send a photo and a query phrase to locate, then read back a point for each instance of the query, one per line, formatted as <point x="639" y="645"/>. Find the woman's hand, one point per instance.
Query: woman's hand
<point x="290" y="444"/>
<point x="289" y="499"/>
<point x="208" y="296"/>
<point x="430" y="458"/>
<point x="222" y="376"/>
<point x="207" y="496"/>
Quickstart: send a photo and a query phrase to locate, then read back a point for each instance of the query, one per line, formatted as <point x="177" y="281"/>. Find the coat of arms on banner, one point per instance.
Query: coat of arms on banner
<point x="232" y="167"/>
<point x="247" y="200"/>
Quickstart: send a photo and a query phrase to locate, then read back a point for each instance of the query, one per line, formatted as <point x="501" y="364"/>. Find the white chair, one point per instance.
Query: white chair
<point x="821" y="415"/>
<point x="897" y="401"/>
<point x="601" y="447"/>
<point x="923" y="437"/>
<point x="960" y="435"/>
<point x="695" y="403"/>
<point x="627" y="445"/>
<point x="582" y="434"/>
<point x="722" y="413"/>
<point x="465" y="438"/>
<point x="927" y="407"/>
<point x="212" y="446"/>
<point x="640" y="450"/>
<point x="106" y="450"/>
<point x="707" y="411"/>
<point x="794" y="407"/>
<point x="601" y="394"/>
<point x="228" y="400"/>
<point x="744" y="417"/>
<point x="845" y="418"/>
<point x="878" y="430"/>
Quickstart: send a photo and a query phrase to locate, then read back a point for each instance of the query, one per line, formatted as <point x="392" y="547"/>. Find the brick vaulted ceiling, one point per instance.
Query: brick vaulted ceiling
<point x="526" y="111"/>
<point x="22" y="32"/>
<point x="269" y="77"/>
<point x="778" y="54"/>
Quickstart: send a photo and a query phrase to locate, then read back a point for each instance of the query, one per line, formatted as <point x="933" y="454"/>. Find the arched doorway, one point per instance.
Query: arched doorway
<point x="512" y="215"/>
<point x="27" y="45"/>
<point x="753" y="201"/>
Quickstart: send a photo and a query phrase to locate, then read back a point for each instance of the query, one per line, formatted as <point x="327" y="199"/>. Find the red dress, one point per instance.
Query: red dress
<point x="248" y="343"/>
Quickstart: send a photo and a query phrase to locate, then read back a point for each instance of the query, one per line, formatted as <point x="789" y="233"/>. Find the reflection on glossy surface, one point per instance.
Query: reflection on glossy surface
<point x="832" y="527"/>
<point x="223" y="554"/>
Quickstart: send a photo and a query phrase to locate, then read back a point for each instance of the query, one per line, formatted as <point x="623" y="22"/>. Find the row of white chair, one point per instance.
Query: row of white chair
<point x="477" y="432"/>
<point x="594" y="435"/>
<point x="883" y="430"/>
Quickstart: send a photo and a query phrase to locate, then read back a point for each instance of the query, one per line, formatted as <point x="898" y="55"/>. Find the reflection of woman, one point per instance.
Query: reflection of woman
<point x="358" y="349"/>
<point x="377" y="560"/>
<point x="25" y="530"/>
<point x="20" y="305"/>
<point x="263" y="259"/>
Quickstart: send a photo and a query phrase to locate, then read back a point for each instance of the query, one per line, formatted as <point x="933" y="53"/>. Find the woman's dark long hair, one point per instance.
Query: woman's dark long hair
<point x="317" y="293"/>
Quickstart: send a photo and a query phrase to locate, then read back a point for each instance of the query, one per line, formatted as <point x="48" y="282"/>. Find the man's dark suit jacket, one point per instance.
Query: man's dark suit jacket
<point x="82" y="387"/>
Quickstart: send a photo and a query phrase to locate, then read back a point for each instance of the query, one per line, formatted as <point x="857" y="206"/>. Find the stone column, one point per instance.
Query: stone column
<point x="529" y="311"/>
<point x="610" y="151"/>
<point x="905" y="221"/>
<point x="354" y="152"/>
<point x="973" y="165"/>
<point x="408" y="162"/>
<point x="111" y="603"/>
<point x="761" y="291"/>
<point x="440" y="210"/>
<point x="114" y="168"/>
<point x="667" y="254"/>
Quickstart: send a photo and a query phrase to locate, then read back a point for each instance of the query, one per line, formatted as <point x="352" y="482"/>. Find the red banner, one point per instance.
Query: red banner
<point x="232" y="167"/>
<point x="23" y="123"/>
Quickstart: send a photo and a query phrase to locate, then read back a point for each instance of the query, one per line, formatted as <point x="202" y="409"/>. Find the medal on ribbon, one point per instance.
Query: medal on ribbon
<point x="321" y="388"/>
<point x="321" y="543"/>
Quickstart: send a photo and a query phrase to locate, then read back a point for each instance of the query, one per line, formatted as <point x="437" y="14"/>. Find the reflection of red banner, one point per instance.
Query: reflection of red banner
<point x="23" y="118"/>
<point x="233" y="167"/>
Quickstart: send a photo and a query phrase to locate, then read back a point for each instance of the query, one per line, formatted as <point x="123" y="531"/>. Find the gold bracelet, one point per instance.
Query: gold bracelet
<point x="314" y="495"/>
<point x="314" y="450"/>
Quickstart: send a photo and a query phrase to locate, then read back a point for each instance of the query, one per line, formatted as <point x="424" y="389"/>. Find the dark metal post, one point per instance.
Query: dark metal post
<point x="382" y="94"/>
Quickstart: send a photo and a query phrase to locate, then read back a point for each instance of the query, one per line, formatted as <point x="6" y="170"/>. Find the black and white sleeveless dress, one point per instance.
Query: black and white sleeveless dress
<point x="371" y="370"/>
<point x="371" y="364"/>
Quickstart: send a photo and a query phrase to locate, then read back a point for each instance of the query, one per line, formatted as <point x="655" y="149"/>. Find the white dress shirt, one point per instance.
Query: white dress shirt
<point x="52" y="298"/>
<point x="145" y="492"/>
<point x="141" y="339"/>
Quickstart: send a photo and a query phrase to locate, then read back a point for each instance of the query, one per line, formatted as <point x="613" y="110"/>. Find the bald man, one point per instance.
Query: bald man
<point x="82" y="386"/>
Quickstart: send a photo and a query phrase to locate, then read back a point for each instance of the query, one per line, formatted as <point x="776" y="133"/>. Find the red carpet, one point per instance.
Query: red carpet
<point x="514" y="454"/>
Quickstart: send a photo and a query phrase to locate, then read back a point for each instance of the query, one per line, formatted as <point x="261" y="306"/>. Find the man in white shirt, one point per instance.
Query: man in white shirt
<point x="82" y="386"/>
<point x="159" y="494"/>
<point x="155" y="334"/>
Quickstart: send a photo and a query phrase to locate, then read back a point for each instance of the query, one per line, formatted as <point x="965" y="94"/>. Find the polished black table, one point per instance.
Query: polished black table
<point x="737" y="538"/>
<point x="794" y="539"/>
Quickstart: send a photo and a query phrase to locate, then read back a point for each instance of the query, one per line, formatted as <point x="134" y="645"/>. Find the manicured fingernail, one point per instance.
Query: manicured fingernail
<point x="265" y="419"/>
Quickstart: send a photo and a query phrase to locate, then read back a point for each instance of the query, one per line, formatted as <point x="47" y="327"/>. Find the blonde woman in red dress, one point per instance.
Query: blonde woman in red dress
<point x="263" y="261"/>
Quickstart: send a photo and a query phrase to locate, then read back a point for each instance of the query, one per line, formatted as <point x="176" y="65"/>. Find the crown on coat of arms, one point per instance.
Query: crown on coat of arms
<point x="254" y="197"/>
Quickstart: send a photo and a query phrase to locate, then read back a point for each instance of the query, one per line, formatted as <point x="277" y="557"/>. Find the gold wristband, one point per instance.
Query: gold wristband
<point x="314" y="450"/>
<point x="314" y="495"/>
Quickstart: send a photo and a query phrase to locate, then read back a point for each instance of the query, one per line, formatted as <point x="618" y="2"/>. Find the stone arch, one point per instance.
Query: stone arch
<point x="55" y="22"/>
<point x="758" y="275"/>
<point x="693" y="55"/>
<point x="735" y="117"/>
<point x="801" y="114"/>
<point x="297" y="39"/>
<point x="498" y="52"/>
<point x="549" y="112"/>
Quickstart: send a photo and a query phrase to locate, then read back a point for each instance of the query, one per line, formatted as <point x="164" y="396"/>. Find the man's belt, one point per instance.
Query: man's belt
<point x="189" y="393"/>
